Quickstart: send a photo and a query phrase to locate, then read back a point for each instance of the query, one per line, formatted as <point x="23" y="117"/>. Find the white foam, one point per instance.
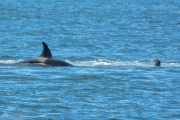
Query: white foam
<point x="8" y="61"/>
<point x="106" y="62"/>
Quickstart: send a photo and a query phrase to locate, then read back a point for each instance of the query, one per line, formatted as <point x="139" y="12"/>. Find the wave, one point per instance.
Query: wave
<point x="8" y="61"/>
<point x="106" y="62"/>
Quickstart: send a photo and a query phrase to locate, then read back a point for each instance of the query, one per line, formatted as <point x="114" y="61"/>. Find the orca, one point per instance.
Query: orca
<point x="46" y="58"/>
<point x="157" y="62"/>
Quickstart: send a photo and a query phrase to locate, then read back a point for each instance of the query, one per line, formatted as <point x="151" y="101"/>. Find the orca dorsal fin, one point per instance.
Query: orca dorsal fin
<point x="46" y="51"/>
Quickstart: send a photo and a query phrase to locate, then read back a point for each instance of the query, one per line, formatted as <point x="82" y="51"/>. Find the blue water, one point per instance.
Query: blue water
<point x="113" y="45"/>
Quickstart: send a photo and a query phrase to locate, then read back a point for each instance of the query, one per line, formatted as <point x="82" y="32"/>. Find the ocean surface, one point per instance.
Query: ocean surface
<point x="113" y="46"/>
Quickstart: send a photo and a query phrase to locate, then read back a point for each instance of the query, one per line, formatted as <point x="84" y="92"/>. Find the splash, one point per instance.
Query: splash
<point x="8" y="61"/>
<point x="106" y="62"/>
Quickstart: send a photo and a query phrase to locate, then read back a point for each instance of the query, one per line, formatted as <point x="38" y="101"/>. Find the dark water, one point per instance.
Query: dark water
<point x="113" y="45"/>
